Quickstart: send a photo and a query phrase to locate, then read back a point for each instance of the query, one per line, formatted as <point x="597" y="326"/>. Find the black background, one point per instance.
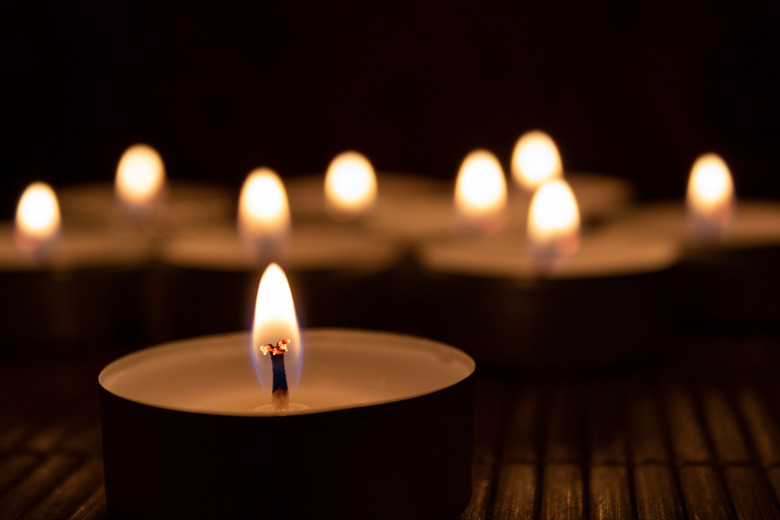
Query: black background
<point x="636" y="91"/>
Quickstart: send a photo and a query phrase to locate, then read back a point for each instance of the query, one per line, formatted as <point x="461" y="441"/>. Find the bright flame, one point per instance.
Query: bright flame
<point x="275" y="319"/>
<point x="140" y="178"/>
<point x="535" y="160"/>
<point x="263" y="214"/>
<point x="553" y="221"/>
<point x="480" y="192"/>
<point x="350" y="186"/>
<point x="37" y="220"/>
<point x="710" y="197"/>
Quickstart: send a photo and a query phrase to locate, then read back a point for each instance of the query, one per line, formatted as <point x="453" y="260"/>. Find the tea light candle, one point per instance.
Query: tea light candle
<point x="554" y="299"/>
<point x="332" y="265"/>
<point x="729" y="247"/>
<point x="309" y="198"/>
<point x="142" y="194"/>
<point x="57" y="280"/>
<point x="383" y="427"/>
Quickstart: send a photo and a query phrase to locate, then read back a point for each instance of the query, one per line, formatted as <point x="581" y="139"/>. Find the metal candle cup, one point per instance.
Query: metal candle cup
<point x="387" y="433"/>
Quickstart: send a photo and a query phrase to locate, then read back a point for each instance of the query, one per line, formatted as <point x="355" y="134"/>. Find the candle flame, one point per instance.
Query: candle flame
<point x="480" y="192"/>
<point x="710" y="197"/>
<point x="350" y="186"/>
<point x="535" y="160"/>
<point x="275" y="319"/>
<point x="37" y="220"/>
<point x="553" y="221"/>
<point x="263" y="214"/>
<point x="140" y="178"/>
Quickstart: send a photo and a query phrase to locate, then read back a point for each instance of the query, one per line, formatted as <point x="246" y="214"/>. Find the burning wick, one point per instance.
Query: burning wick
<point x="280" y="397"/>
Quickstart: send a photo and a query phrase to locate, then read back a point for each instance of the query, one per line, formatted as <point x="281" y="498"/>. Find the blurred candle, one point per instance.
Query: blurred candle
<point x="140" y="179"/>
<point x="56" y="281"/>
<point x="710" y="197"/>
<point x="480" y="193"/>
<point x="350" y="186"/>
<point x="535" y="160"/>
<point x="37" y="221"/>
<point x="553" y="222"/>
<point x="263" y="215"/>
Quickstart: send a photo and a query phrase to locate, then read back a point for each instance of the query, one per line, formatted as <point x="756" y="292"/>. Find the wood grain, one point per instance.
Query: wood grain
<point x="723" y="427"/>
<point x="750" y="494"/>
<point x="606" y="424"/>
<point x="656" y="493"/>
<point x="609" y="493"/>
<point x="562" y="492"/>
<point x="646" y="432"/>
<point x="524" y="425"/>
<point x="516" y="492"/>
<point x="703" y="494"/>
<point x="688" y="442"/>
<point x="69" y="495"/>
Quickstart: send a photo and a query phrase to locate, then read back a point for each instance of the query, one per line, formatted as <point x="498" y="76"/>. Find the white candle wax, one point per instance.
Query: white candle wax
<point x="508" y="255"/>
<point x="311" y="247"/>
<point x="341" y="369"/>
<point x="190" y="207"/>
<point x="756" y="223"/>
<point x="74" y="249"/>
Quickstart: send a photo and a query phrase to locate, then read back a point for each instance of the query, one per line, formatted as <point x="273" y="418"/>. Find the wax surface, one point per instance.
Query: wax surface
<point x="508" y="255"/>
<point x="190" y="207"/>
<point x="75" y="248"/>
<point x="754" y="223"/>
<point x="310" y="246"/>
<point x="341" y="369"/>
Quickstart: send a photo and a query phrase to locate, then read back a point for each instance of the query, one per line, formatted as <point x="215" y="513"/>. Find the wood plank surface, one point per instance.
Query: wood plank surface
<point x="609" y="493"/>
<point x="703" y="494"/>
<point x="562" y="493"/>
<point x="657" y="497"/>
<point x="516" y="493"/>
<point x="750" y="493"/>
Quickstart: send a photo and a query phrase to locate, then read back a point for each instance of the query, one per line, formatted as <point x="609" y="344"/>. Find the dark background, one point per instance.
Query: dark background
<point x="637" y="92"/>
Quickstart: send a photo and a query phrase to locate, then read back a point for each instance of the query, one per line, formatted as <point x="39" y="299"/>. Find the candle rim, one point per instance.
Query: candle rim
<point x="112" y="371"/>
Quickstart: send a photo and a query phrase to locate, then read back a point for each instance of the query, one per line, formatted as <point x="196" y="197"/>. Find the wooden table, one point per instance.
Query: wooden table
<point x="695" y="435"/>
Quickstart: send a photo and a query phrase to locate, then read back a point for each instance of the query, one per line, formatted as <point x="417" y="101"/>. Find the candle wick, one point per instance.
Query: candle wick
<point x="280" y="397"/>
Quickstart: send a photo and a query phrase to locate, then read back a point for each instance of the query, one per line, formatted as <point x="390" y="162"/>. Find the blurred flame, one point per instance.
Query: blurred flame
<point x="350" y="186"/>
<point x="140" y="178"/>
<point x="480" y="192"/>
<point x="535" y="160"/>
<point x="37" y="219"/>
<point x="710" y="197"/>
<point x="275" y="319"/>
<point x="263" y="214"/>
<point x="554" y="221"/>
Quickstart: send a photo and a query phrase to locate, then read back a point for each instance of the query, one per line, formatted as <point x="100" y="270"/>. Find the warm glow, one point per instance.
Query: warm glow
<point x="480" y="192"/>
<point x="263" y="214"/>
<point x="37" y="219"/>
<point x="554" y="221"/>
<point x="710" y="197"/>
<point x="275" y="319"/>
<point x="140" y="178"/>
<point x="350" y="186"/>
<point x="535" y="160"/>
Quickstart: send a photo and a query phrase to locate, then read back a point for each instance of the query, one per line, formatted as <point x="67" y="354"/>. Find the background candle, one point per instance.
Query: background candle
<point x="85" y="296"/>
<point x="337" y="271"/>
<point x="388" y="430"/>
<point x="604" y="305"/>
<point x="728" y="275"/>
